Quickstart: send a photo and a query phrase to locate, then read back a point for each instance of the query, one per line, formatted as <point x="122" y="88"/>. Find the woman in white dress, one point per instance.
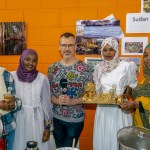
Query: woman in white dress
<point x="35" y="118"/>
<point x="111" y="73"/>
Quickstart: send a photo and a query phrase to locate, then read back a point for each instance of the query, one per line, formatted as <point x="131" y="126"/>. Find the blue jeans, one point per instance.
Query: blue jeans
<point x="10" y="140"/>
<point x="65" y="132"/>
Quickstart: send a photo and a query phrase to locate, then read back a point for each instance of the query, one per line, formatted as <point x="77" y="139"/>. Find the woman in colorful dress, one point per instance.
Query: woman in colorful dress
<point x="141" y="95"/>
<point x="111" y="74"/>
<point x="35" y="118"/>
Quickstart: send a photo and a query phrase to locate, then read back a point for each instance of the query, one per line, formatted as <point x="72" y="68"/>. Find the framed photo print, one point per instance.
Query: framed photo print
<point x="145" y="6"/>
<point x="92" y="61"/>
<point x="12" y="38"/>
<point x="134" y="45"/>
<point x="136" y="60"/>
<point x="91" y="33"/>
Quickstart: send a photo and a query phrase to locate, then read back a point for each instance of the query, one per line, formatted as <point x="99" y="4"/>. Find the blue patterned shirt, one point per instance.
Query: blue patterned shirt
<point x="77" y="76"/>
<point x="8" y="120"/>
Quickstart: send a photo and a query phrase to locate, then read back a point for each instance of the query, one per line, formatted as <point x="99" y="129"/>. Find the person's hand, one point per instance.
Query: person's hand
<point x="4" y="105"/>
<point x="124" y="105"/>
<point x="11" y="103"/>
<point x="127" y="92"/>
<point x="129" y="105"/>
<point x="133" y="104"/>
<point x="46" y="135"/>
<point x="64" y="100"/>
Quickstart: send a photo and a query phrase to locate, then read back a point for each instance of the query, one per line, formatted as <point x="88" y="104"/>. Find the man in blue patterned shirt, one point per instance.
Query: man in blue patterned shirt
<point x="67" y="79"/>
<point x="8" y="108"/>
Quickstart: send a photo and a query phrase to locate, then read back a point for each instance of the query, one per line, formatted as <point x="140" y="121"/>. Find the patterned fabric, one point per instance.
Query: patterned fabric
<point x="144" y="115"/>
<point x="2" y="84"/>
<point x="77" y="76"/>
<point x="2" y="89"/>
<point x="8" y="119"/>
<point x="144" y="88"/>
<point x="146" y="70"/>
<point x="141" y="116"/>
<point x="23" y="74"/>
<point x="141" y="92"/>
<point x="111" y="41"/>
<point x="106" y="66"/>
<point x="142" y="95"/>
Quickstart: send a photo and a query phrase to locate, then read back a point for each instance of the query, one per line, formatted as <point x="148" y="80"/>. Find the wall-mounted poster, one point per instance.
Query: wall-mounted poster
<point x="12" y="38"/>
<point x="145" y="6"/>
<point x="138" y="23"/>
<point x="90" y="34"/>
<point x="136" y="60"/>
<point x="134" y="45"/>
<point x="91" y="61"/>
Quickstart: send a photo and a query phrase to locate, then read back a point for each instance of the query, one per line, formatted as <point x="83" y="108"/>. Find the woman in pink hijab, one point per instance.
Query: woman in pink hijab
<point x="35" y="118"/>
<point x="111" y="74"/>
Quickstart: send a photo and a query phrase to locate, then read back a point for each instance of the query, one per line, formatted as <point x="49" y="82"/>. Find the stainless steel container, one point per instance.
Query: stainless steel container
<point x="66" y="148"/>
<point x="31" y="145"/>
<point x="134" y="138"/>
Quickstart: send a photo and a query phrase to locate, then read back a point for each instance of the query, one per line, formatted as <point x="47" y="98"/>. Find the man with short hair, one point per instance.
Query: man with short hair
<point x="8" y="106"/>
<point x="67" y="80"/>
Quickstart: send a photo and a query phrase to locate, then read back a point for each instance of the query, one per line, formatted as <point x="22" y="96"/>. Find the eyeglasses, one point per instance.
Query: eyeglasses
<point x="67" y="45"/>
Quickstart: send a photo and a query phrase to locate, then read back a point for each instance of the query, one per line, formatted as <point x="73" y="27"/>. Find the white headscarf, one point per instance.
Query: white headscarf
<point x="106" y="65"/>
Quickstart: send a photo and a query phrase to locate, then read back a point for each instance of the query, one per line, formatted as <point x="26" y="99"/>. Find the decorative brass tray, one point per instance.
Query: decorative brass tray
<point x="102" y="99"/>
<point x="90" y="96"/>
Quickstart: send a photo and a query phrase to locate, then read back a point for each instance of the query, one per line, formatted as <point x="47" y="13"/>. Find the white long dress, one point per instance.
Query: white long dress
<point x="110" y="118"/>
<point x="35" y="108"/>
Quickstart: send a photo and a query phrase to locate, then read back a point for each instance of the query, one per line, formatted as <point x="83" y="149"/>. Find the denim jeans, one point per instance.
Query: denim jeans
<point x="10" y="140"/>
<point x="65" y="132"/>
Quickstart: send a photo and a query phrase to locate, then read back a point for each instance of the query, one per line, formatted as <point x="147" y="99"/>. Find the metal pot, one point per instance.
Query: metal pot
<point x="67" y="148"/>
<point x="134" y="138"/>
